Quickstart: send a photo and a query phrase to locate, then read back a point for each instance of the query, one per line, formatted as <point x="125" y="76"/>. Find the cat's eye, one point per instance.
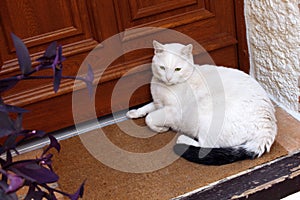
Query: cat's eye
<point x="177" y="69"/>
<point x="162" y="67"/>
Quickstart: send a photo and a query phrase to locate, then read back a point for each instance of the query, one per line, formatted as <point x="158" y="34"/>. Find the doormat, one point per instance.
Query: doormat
<point x="75" y="163"/>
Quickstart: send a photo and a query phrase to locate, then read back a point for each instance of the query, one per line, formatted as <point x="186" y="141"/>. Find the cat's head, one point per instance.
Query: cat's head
<point x="172" y="63"/>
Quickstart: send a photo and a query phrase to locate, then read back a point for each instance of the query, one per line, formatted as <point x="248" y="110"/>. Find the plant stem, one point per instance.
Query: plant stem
<point x="53" y="189"/>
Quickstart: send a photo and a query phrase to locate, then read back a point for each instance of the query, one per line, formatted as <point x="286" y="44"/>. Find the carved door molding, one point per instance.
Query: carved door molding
<point x="81" y="25"/>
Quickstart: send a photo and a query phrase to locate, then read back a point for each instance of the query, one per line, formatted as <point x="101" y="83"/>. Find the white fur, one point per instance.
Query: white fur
<point x="183" y="139"/>
<point x="219" y="106"/>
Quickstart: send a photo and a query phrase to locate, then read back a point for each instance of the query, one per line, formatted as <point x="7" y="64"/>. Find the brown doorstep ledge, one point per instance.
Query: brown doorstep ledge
<point x="272" y="181"/>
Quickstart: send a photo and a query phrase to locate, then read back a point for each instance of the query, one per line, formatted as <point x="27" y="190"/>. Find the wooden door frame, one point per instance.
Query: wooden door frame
<point x="241" y="31"/>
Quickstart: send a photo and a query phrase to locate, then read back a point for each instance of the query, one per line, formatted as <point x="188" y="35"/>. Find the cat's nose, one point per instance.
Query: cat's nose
<point x="168" y="77"/>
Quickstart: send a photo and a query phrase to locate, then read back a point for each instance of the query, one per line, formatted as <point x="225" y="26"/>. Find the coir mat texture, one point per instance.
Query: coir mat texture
<point x="75" y="164"/>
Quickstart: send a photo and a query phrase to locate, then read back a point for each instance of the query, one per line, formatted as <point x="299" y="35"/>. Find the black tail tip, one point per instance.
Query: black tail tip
<point x="212" y="156"/>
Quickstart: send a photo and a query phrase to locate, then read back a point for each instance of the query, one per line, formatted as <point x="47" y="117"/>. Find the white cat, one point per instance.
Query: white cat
<point x="223" y="114"/>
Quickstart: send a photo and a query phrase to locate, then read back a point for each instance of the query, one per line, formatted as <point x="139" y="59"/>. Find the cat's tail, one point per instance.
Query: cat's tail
<point x="213" y="156"/>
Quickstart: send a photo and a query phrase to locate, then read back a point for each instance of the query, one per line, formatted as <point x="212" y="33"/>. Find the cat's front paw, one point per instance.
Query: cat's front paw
<point x="155" y="127"/>
<point x="159" y="129"/>
<point x="133" y="114"/>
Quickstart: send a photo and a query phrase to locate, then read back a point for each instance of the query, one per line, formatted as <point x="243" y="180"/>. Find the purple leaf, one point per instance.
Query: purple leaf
<point x="2" y="161"/>
<point x="34" y="194"/>
<point x="36" y="133"/>
<point x="5" y="132"/>
<point x="59" y="53"/>
<point x="78" y="194"/>
<point x="47" y="59"/>
<point x="22" y="54"/>
<point x="61" y="58"/>
<point x="53" y="144"/>
<point x="8" y="158"/>
<point x="33" y="172"/>
<point x="57" y="70"/>
<point x="5" y="196"/>
<point x="51" y="50"/>
<point x="55" y="62"/>
<point x="39" y="133"/>
<point x="50" y="196"/>
<point x="10" y="142"/>
<point x="6" y="124"/>
<point x="57" y="79"/>
<point x="7" y="84"/>
<point x="15" y="183"/>
<point x="18" y="122"/>
<point x="89" y="86"/>
<point x="29" y="134"/>
<point x="89" y="80"/>
<point x="90" y="74"/>
<point x="46" y="160"/>
<point x="14" y="109"/>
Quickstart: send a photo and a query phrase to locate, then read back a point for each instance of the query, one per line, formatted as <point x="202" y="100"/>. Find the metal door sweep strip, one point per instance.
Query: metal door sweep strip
<point x="74" y="131"/>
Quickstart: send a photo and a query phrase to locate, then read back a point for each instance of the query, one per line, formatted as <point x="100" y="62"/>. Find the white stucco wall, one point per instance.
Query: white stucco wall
<point x="273" y="31"/>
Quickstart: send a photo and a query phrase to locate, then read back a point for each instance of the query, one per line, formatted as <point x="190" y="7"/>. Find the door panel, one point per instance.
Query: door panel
<point x="167" y="14"/>
<point x="40" y="22"/>
<point x="211" y="23"/>
<point x="81" y="25"/>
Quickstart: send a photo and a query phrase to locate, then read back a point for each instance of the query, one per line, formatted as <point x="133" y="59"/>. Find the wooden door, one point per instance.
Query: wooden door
<point x="218" y="25"/>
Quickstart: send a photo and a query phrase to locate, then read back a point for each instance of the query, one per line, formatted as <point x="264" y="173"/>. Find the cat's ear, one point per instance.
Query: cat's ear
<point x="158" y="47"/>
<point x="187" y="50"/>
